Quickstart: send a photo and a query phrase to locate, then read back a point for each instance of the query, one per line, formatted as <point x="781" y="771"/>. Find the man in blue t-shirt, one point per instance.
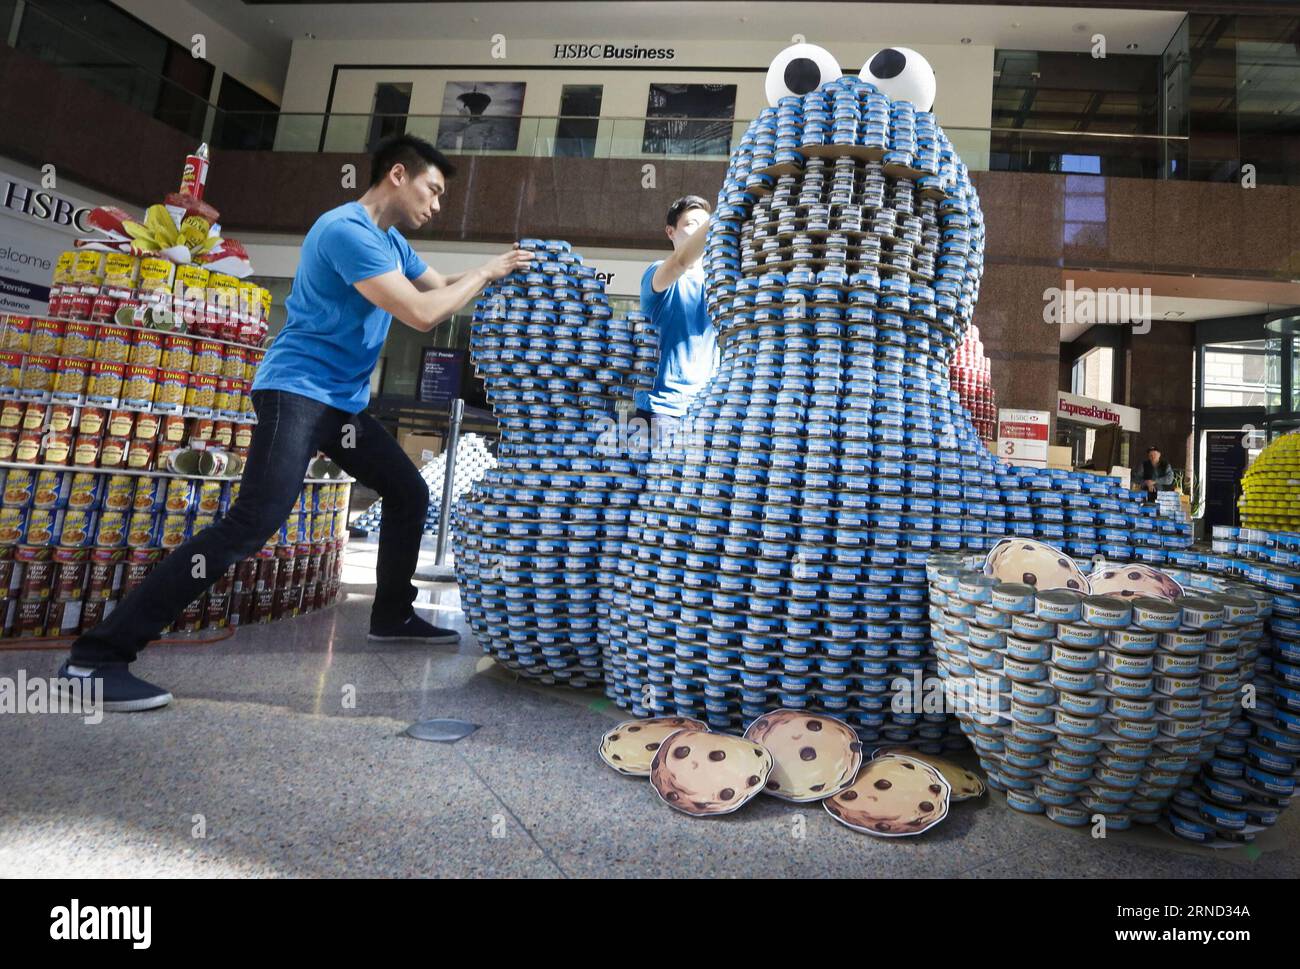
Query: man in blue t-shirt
<point x="356" y="273"/>
<point x="672" y="294"/>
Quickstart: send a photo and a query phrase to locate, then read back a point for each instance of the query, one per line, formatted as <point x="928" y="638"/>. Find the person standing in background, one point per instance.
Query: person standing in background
<point x="672" y="295"/>
<point x="1157" y="475"/>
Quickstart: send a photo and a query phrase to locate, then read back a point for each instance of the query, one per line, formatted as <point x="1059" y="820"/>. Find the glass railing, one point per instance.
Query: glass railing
<point x="711" y="139"/>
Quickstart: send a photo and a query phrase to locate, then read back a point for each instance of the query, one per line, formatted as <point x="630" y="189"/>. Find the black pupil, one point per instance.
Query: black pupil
<point x="888" y="63"/>
<point x="802" y="75"/>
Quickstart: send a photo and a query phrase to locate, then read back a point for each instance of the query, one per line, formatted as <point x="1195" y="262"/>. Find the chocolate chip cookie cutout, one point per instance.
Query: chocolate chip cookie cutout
<point x="705" y="774"/>
<point x="892" y="797"/>
<point x="629" y="747"/>
<point x="813" y="756"/>
<point x="965" y="784"/>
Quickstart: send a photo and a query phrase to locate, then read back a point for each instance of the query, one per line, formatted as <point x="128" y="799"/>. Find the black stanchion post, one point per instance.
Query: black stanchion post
<point x="448" y="478"/>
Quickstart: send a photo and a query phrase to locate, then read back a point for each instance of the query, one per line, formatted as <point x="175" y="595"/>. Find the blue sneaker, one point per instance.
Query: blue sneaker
<point x="414" y="630"/>
<point x="121" y="691"/>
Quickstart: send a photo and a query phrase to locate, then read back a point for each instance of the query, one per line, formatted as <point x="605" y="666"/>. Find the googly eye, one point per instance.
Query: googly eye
<point x="799" y="69"/>
<point x="901" y="74"/>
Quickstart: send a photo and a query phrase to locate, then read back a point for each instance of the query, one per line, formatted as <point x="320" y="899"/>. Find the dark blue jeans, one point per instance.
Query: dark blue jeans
<point x="290" y="430"/>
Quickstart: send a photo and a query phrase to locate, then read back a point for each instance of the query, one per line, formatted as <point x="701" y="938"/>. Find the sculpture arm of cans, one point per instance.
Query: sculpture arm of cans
<point x="536" y="537"/>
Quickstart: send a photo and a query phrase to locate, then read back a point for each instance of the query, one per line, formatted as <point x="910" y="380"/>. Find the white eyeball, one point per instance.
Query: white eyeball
<point x="798" y="70"/>
<point x="901" y="74"/>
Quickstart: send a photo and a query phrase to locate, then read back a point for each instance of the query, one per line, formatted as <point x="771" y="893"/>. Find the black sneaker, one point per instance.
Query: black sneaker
<point x="414" y="630"/>
<point x="121" y="692"/>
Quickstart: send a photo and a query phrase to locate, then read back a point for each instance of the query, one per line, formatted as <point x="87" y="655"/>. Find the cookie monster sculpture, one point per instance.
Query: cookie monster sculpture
<point x="774" y="555"/>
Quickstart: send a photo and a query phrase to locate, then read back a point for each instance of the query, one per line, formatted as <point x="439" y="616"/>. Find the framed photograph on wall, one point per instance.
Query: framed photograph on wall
<point x="689" y="119"/>
<point x="481" y="115"/>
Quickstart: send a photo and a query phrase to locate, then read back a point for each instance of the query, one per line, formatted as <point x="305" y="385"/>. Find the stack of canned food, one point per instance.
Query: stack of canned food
<point x="73" y="543"/>
<point x="473" y="460"/>
<point x="1270" y="497"/>
<point x="537" y="535"/>
<point x="68" y="364"/>
<point x="1262" y="761"/>
<point x="1080" y="706"/>
<point x="90" y="286"/>
<point x="971" y="377"/>
<point x="104" y="427"/>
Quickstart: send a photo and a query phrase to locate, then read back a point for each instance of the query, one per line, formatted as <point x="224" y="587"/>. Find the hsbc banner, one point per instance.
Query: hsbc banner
<point x="36" y="226"/>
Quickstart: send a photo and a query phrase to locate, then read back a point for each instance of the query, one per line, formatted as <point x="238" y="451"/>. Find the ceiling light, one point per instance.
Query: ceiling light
<point x="1130" y="46"/>
<point x="965" y="40"/>
<point x="309" y="35"/>
<point x="1173" y="314"/>
<point x="1015" y="25"/>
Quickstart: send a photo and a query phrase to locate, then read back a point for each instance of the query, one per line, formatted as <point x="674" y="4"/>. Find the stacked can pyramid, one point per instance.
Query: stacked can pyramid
<point x="1271" y="487"/>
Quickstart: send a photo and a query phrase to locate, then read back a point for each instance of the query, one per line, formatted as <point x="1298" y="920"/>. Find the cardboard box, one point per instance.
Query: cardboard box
<point x="1060" y="457"/>
<point x="420" y="448"/>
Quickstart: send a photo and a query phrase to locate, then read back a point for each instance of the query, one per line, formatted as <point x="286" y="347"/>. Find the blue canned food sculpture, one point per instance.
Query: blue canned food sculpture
<point x="775" y="553"/>
<point x="535" y="534"/>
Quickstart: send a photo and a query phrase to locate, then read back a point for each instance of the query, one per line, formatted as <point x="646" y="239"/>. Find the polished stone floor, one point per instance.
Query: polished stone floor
<point x="284" y="755"/>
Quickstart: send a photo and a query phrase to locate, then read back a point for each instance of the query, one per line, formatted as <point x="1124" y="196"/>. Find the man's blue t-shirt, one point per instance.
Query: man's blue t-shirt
<point x="333" y="335"/>
<point x="688" y="343"/>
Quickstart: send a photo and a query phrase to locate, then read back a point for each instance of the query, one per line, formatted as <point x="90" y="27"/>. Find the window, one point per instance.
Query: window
<point x="246" y="121"/>
<point x="1235" y="374"/>
<point x="388" y="116"/>
<point x="575" y="131"/>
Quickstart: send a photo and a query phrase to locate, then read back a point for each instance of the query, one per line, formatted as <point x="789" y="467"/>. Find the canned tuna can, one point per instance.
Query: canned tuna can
<point x="1183" y="643"/>
<point x="1075" y="635"/>
<point x="1075" y="660"/>
<point x="1078" y="681"/>
<point x="1106" y="612"/>
<point x="1156" y="614"/>
<point x="1132" y="642"/>
<point x="1059" y="605"/>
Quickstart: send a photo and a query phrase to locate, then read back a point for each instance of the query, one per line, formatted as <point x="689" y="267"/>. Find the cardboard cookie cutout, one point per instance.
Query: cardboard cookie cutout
<point x="1036" y="564"/>
<point x="629" y="747"/>
<point x="1128" y="580"/>
<point x="705" y="774"/>
<point x="965" y="784"/>
<point x="893" y="796"/>
<point x="812" y="756"/>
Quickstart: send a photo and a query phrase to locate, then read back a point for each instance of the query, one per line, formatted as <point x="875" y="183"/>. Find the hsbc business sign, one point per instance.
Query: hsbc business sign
<point x="612" y="52"/>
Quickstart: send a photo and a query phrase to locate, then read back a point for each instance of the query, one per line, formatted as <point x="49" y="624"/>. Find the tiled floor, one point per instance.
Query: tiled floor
<point x="262" y="767"/>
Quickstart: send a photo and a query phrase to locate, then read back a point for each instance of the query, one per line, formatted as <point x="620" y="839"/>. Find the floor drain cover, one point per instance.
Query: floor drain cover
<point x="441" y="731"/>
